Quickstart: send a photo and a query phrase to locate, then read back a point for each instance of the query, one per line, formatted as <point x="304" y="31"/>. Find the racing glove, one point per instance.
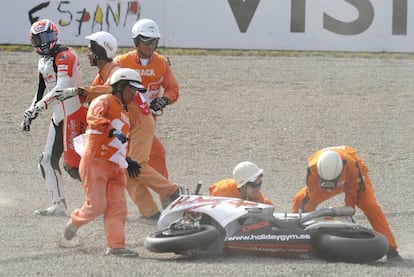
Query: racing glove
<point x="66" y="93"/>
<point x="159" y="103"/>
<point x="134" y="169"/>
<point x="25" y="125"/>
<point x="118" y="134"/>
<point x="28" y="116"/>
<point x="31" y="113"/>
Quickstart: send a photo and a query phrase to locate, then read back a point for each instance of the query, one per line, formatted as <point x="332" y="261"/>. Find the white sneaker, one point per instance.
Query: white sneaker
<point x="57" y="209"/>
<point x="70" y="230"/>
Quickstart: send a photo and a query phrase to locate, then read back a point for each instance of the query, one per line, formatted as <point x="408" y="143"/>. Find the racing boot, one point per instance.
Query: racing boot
<point x="57" y="209"/>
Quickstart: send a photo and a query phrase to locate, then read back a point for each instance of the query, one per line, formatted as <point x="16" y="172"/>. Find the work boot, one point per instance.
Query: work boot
<point x="167" y="201"/>
<point x="393" y="255"/>
<point x="155" y="216"/>
<point x="70" y="230"/>
<point x="57" y="209"/>
<point x="121" y="252"/>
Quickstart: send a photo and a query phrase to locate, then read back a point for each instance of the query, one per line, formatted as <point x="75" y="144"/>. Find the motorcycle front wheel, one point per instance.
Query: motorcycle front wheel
<point x="179" y="241"/>
<point x="358" y="245"/>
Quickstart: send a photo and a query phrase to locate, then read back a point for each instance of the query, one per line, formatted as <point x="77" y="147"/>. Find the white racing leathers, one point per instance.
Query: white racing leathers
<point x="68" y="119"/>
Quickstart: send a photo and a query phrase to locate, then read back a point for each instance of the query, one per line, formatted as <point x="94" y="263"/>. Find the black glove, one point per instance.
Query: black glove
<point x="118" y="134"/>
<point x="159" y="103"/>
<point x="133" y="168"/>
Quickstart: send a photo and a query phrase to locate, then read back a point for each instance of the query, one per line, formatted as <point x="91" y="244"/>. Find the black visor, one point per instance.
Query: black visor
<point x="43" y="39"/>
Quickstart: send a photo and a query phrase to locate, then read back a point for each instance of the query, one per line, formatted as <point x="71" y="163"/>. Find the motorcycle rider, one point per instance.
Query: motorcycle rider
<point x="246" y="184"/>
<point x="59" y="68"/>
<point x="338" y="169"/>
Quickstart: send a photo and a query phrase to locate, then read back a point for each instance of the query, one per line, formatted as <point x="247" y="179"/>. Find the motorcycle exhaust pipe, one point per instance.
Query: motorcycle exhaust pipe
<point x="337" y="211"/>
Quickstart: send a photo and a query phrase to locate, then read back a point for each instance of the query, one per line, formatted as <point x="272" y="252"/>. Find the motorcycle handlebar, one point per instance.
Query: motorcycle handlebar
<point x="198" y="187"/>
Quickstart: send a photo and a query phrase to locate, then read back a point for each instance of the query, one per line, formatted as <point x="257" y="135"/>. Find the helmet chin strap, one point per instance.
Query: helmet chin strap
<point x="123" y="100"/>
<point x="95" y="59"/>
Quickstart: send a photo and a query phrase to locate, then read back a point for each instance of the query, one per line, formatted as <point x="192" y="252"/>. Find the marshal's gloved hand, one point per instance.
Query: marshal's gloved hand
<point x="159" y="103"/>
<point x="66" y="93"/>
<point x="134" y="169"/>
<point x="118" y="134"/>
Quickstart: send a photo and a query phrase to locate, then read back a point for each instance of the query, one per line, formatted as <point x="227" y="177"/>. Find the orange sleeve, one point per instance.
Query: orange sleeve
<point x="225" y="188"/>
<point x="170" y="84"/>
<point x="95" y="91"/>
<point x="267" y="201"/>
<point x="97" y="116"/>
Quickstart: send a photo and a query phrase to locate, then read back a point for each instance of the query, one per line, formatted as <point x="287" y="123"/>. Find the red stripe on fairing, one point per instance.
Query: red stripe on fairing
<point x="267" y="245"/>
<point x="281" y="250"/>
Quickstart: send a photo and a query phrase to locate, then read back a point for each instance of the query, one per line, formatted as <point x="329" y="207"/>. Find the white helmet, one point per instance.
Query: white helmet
<point x="127" y="74"/>
<point x="246" y="172"/>
<point x="106" y="41"/>
<point x="329" y="165"/>
<point x="145" y="28"/>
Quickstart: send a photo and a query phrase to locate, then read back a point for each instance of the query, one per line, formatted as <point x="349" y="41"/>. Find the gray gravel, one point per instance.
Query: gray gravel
<point x="274" y="111"/>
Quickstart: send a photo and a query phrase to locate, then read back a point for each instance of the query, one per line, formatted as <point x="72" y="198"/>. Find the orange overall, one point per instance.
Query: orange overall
<point x="156" y="75"/>
<point x="228" y="188"/>
<point x="145" y="147"/>
<point x="142" y="133"/>
<point x="354" y="182"/>
<point x="102" y="170"/>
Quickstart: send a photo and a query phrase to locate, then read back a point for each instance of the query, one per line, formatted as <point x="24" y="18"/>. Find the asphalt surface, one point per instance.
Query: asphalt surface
<point x="274" y="111"/>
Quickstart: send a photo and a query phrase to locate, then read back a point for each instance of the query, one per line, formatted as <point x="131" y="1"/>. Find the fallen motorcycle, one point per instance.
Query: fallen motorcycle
<point x="194" y="223"/>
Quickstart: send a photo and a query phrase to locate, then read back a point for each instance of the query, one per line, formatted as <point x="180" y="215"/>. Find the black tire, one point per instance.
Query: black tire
<point x="350" y="245"/>
<point x="181" y="241"/>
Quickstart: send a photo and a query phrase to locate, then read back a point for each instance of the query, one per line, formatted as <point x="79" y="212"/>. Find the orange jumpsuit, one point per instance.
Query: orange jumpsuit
<point x="228" y="188"/>
<point x="102" y="170"/>
<point x="156" y="75"/>
<point x="354" y="182"/>
<point x="145" y="147"/>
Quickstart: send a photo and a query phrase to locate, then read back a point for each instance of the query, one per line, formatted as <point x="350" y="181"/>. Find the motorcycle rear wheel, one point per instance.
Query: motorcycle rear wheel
<point x="178" y="241"/>
<point x="350" y="245"/>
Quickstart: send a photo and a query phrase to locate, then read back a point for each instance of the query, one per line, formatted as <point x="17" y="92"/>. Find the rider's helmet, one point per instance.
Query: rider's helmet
<point x="246" y="172"/>
<point x="329" y="167"/>
<point x="44" y="35"/>
<point x="130" y="76"/>
<point x="144" y="30"/>
<point x="103" y="45"/>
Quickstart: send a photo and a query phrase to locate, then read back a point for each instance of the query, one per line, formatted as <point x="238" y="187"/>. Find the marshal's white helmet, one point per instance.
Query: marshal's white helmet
<point x="329" y="165"/>
<point x="106" y="41"/>
<point x="127" y="74"/>
<point x="145" y="28"/>
<point x="246" y="172"/>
